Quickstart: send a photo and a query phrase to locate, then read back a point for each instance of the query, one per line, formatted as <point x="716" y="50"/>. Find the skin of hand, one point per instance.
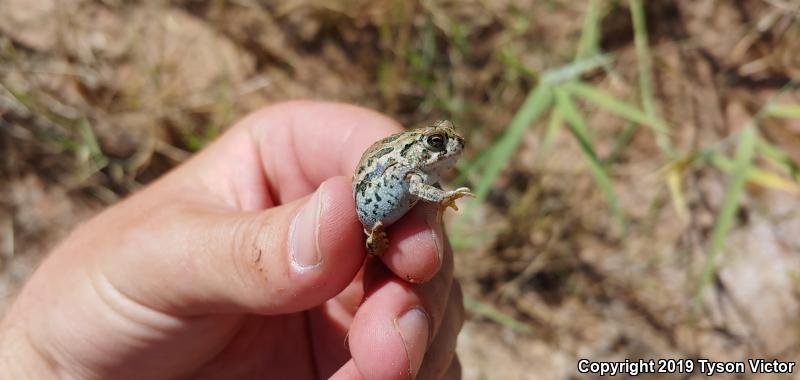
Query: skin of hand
<point x="247" y="261"/>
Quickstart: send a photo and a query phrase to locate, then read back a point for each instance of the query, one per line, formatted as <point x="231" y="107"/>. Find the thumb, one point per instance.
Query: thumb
<point x="280" y="260"/>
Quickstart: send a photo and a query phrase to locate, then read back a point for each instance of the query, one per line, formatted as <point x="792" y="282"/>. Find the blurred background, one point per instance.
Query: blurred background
<point x="636" y="162"/>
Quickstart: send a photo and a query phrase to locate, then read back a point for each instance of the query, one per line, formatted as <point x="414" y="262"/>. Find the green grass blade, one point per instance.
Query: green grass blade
<point x="772" y="181"/>
<point x="551" y="132"/>
<point x="779" y="158"/>
<point x="97" y="158"/>
<point x="574" y="70"/>
<point x="742" y="164"/>
<point x="622" y="109"/>
<point x="490" y="312"/>
<point x="757" y="176"/>
<point x="536" y="103"/>
<point x="787" y="111"/>
<point x="89" y="139"/>
<point x="589" y="43"/>
<point x="643" y="59"/>
<point x="89" y="152"/>
<point x="566" y="107"/>
<point x="644" y="63"/>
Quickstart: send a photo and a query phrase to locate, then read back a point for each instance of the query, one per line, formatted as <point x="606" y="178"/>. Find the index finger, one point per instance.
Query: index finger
<point x="303" y="143"/>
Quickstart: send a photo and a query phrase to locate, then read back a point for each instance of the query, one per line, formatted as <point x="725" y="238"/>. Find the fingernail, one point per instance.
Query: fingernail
<point x="304" y="234"/>
<point x="437" y="234"/>
<point x="413" y="327"/>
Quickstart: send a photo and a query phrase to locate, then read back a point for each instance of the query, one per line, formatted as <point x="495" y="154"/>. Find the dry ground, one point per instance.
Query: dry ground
<point x="98" y="98"/>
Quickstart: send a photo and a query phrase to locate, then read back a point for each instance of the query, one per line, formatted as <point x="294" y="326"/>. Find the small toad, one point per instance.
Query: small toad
<point x="396" y="172"/>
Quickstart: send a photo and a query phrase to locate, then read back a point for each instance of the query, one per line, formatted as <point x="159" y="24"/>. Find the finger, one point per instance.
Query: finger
<point x="443" y="349"/>
<point x="390" y="333"/>
<point x="432" y="295"/>
<point x="280" y="260"/>
<point x="349" y="371"/>
<point x="416" y="245"/>
<point x="300" y="144"/>
<point x="331" y="323"/>
<point x="399" y="318"/>
<point x="454" y="371"/>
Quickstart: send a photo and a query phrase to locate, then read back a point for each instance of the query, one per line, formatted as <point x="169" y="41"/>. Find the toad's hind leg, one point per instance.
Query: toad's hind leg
<point x="377" y="242"/>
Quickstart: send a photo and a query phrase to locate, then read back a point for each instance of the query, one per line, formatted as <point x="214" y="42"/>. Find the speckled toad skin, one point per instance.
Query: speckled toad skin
<point x="396" y="172"/>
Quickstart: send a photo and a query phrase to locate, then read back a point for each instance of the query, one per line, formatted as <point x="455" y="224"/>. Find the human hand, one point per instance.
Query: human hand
<point x="246" y="261"/>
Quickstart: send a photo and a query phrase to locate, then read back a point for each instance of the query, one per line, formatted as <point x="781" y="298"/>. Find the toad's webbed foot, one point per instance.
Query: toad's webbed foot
<point x="450" y="201"/>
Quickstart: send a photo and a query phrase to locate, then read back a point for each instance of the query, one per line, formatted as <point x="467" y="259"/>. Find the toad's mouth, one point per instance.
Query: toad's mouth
<point x="443" y="163"/>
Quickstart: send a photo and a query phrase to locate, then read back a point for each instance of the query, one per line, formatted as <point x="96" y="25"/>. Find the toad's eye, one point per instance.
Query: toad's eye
<point x="436" y="141"/>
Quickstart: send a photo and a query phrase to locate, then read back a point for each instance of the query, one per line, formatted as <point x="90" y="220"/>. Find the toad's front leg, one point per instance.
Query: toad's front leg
<point x="430" y="193"/>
